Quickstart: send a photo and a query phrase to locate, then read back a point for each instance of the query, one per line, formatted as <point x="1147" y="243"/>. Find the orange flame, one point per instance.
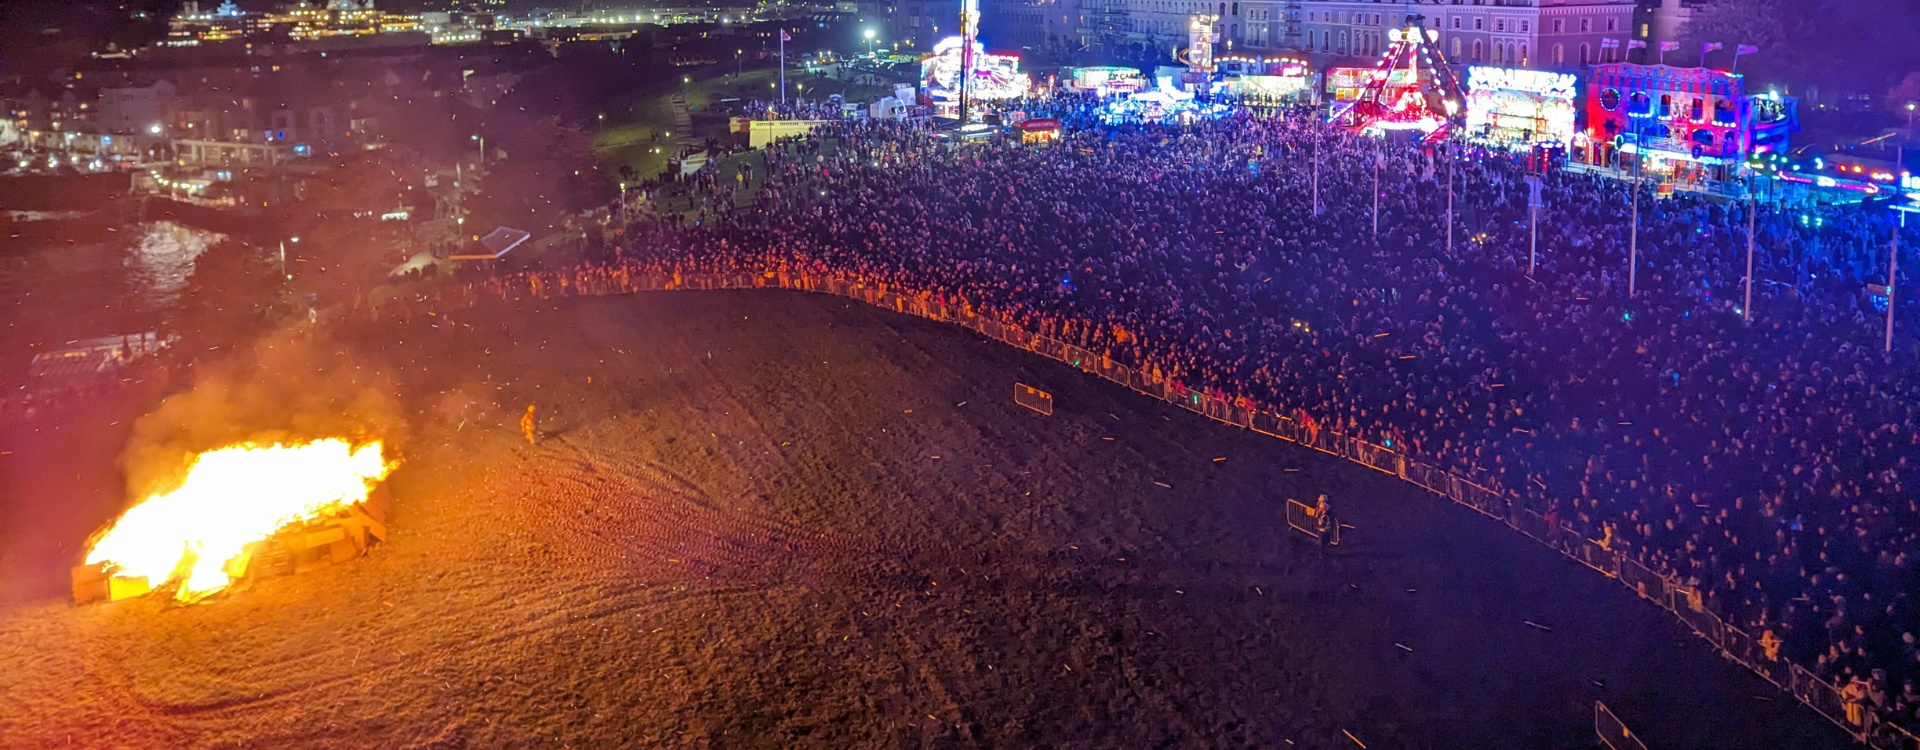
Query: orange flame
<point x="232" y="497"/>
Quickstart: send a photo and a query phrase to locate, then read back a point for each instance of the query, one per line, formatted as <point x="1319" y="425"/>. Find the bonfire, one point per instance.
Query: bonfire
<point x="202" y="536"/>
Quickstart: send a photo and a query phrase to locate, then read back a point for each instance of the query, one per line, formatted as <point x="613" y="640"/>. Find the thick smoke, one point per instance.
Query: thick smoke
<point x="294" y="386"/>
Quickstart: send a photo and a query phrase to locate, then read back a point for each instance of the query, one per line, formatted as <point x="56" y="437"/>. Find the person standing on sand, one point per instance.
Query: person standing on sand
<point x="526" y="425"/>
<point x="1323" y="522"/>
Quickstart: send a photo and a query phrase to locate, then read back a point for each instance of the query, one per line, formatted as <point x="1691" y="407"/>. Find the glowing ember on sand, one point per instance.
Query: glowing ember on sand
<point x="232" y="497"/>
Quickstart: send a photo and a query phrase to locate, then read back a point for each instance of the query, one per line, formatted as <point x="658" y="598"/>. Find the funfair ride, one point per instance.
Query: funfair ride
<point x="1410" y="89"/>
<point x="989" y="77"/>
<point x="969" y="37"/>
<point x="959" y="73"/>
<point x="1199" y="56"/>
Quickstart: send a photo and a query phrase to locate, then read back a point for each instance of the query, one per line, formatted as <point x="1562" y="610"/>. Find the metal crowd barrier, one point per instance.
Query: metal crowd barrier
<point x="1824" y="697"/>
<point x="1612" y="730"/>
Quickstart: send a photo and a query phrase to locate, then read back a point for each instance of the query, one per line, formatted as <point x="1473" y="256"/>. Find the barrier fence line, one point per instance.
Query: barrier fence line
<point x="1826" y="698"/>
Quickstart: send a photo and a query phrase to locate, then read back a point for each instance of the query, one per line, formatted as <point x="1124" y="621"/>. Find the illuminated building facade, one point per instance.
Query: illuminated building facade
<point x="1690" y="123"/>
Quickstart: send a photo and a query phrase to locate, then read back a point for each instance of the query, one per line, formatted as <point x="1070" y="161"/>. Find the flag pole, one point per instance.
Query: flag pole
<point x="1893" y="253"/>
<point x="783" y="66"/>
<point x="1633" y="234"/>
<point x="1753" y="212"/>
<point x="1451" y="158"/>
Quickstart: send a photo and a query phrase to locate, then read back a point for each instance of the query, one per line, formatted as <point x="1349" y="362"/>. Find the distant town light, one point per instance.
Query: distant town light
<point x="154" y="128"/>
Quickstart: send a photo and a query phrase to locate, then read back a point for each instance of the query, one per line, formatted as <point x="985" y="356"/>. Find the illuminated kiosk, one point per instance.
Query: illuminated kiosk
<point x="1521" y="108"/>
<point x="1411" y="89"/>
<point x="1040" y="131"/>
<point x="994" y="77"/>
<point x="1680" y="125"/>
<point x="1104" y="81"/>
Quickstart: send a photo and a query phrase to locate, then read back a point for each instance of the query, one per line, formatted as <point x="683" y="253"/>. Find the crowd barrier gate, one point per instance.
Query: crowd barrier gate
<point x="1612" y="730"/>
<point x="1033" y="398"/>
<point x="1300" y="517"/>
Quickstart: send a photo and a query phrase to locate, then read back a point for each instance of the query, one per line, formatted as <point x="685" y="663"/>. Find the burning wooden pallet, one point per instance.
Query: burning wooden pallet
<point x="299" y="548"/>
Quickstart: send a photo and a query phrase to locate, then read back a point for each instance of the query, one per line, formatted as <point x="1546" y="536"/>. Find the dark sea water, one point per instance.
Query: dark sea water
<point x="52" y="292"/>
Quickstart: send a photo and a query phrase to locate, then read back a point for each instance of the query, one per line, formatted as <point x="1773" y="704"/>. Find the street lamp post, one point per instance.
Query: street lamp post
<point x="1533" y="227"/>
<point x="1376" y="191"/>
<point x="1316" y="171"/>
<point x="1746" y="308"/>
<point x="1633" y="237"/>
<point x="1893" y="269"/>
<point x="869" y="36"/>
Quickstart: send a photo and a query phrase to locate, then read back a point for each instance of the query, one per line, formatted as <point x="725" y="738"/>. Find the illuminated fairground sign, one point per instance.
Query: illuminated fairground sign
<point x="1521" y="107"/>
<point x="1545" y="83"/>
<point x="994" y="76"/>
<point x="1104" y="80"/>
<point x="1265" y="79"/>
<point x="1269" y="87"/>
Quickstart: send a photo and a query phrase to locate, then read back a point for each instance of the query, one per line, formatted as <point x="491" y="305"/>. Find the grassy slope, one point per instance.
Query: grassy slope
<point x="626" y="138"/>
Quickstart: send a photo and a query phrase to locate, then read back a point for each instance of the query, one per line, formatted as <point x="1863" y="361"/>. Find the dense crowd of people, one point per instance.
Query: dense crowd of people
<point x="1770" y="464"/>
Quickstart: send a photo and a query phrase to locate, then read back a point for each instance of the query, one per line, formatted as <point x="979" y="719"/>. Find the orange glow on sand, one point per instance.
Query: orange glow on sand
<point x="233" y="497"/>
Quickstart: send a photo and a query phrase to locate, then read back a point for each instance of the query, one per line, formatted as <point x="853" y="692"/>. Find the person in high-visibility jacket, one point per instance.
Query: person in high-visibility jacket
<point x="1323" y="521"/>
<point x="527" y="424"/>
